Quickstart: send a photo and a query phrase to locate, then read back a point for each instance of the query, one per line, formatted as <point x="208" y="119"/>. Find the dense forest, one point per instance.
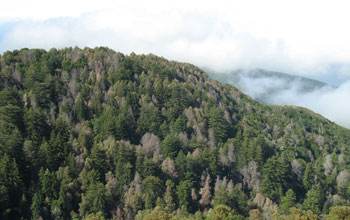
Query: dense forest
<point x="95" y="134"/>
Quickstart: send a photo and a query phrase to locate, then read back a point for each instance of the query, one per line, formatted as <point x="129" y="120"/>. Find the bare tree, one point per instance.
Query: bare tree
<point x="259" y="200"/>
<point x="251" y="176"/>
<point x="197" y="152"/>
<point x="320" y="141"/>
<point x="188" y="112"/>
<point x="168" y="166"/>
<point x="230" y="186"/>
<point x="328" y="165"/>
<point x="341" y="159"/>
<point x="135" y="189"/>
<point x="205" y="192"/>
<point x="194" y="195"/>
<point x="150" y="146"/>
<point x="111" y="185"/>
<point x="226" y="155"/>
<point x="298" y="169"/>
<point x="183" y="138"/>
<point x="199" y="134"/>
<point x="343" y="178"/>
<point x="211" y="137"/>
<point x="218" y="184"/>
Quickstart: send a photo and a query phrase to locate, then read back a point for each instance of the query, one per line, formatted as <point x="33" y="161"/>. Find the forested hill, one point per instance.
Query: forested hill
<point x="270" y="87"/>
<point x="93" y="134"/>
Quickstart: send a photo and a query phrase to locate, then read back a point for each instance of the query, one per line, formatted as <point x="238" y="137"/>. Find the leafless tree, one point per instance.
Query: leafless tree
<point x="168" y="166"/>
<point x="205" y="192"/>
<point x="150" y="145"/>
<point x="298" y="169"/>
<point x="328" y="165"/>
<point x="343" y="178"/>
<point x="251" y="176"/>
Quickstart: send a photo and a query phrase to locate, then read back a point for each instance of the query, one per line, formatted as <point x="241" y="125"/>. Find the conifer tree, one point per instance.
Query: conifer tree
<point x="169" y="197"/>
<point x="288" y="201"/>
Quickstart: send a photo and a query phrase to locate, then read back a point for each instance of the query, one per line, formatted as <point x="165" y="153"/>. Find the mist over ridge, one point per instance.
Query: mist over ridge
<point x="285" y="89"/>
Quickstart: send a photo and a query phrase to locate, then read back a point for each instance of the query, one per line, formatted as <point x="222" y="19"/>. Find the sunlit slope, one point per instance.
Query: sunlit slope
<point x="88" y="133"/>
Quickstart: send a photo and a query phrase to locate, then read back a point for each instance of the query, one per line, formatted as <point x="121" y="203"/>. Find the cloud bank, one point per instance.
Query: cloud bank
<point x="331" y="102"/>
<point x="306" y="38"/>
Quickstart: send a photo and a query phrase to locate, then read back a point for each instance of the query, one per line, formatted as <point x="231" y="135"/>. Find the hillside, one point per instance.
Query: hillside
<point x="92" y="134"/>
<point x="266" y="86"/>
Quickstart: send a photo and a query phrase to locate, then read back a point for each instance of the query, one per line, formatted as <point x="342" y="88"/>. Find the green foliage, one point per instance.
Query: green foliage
<point x="288" y="201"/>
<point x="221" y="197"/>
<point x="37" y="205"/>
<point x="10" y="187"/>
<point x="127" y="69"/>
<point x="73" y="143"/>
<point x="152" y="190"/>
<point x="222" y="212"/>
<point x="157" y="214"/>
<point x="218" y="123"/>
<point x="314" y="200"/>
<point x="297" y="214"/>
<point x="11" y="108"/>
<point x="49" y="185"/>
<point x="339" y="212"/>
<point x="235" y="199"/>
<point x="94" y="200"/>
<point x="10" y="140"/>
<point x="93" y="216"/>
<point x="149" y="120"/>
<point x="169" y="197"/>
<point x="36" y="126"/>
<point x="184" y="193"/>
<point x="171" y="146"/>
<point x="275" y="177"/>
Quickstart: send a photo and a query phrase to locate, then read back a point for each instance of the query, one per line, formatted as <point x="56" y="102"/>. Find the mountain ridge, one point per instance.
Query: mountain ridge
<point x="93" y="133"/>
<point x="272" y="82"/>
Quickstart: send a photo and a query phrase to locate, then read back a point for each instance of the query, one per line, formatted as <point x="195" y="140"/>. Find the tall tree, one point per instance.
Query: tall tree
<point x="152" y="189"/>
<point x="288" y="201"/>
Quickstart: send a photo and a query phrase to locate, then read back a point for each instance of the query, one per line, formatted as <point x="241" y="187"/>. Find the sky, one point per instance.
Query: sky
<point x="306" y="38"/>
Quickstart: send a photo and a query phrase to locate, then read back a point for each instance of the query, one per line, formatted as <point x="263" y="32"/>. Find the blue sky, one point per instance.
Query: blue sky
<point x="307" y="38"/>
<point x="5" y="28"/>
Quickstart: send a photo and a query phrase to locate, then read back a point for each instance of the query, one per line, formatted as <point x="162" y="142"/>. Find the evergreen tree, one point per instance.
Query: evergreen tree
<point x="221" y="197"/>
<point x="218" y="123"/>
<point x="169" y="197"/>
<point x="171" y="146"/>
<point x="272" y="181"/>
<point x="10" y="188"/>
<point x="288" y="201"/>
<point x="71" y="123"/>
<point x="94" y="200"/>
<point x="152" y="189"/>
<point x="314" y="200"/>
<point x="339" y="212"/>
<point x="37" y="205"/>
<point x="184" y="194"/>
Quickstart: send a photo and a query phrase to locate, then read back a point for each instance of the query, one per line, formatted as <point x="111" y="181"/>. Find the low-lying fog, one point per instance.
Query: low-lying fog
<point x="330" y="101"/>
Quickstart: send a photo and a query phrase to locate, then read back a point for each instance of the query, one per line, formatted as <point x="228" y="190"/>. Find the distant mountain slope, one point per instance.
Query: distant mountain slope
<point x="264" y="85"/>
<point x="96" y="134"/>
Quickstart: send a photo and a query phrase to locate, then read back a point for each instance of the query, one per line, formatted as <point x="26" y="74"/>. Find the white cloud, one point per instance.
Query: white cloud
<point x="292" y="36"/>
<point x="331" y="102"/>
